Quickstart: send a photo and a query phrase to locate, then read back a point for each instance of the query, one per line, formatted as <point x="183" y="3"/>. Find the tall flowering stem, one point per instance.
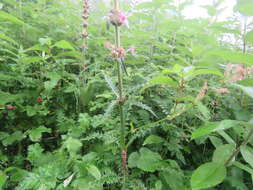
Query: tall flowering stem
<point x="85" y="17"/>
<point x="117" y="18"/>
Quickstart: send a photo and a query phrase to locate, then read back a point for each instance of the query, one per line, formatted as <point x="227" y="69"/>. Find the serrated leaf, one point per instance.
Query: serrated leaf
<point x="144" y="106"/>
<point x="208" y="175"/>
<point x="213" y="127"/>
<point x="111" y="85"/>
<point x="35" y="134"/>
<point x="148" y="161"/>
<point x="54" y="79"/>
<point x="153" y="139"/>
<point x="16" y="136"/>
<point x="73" y="145"/>
<point x="94" y="171"/>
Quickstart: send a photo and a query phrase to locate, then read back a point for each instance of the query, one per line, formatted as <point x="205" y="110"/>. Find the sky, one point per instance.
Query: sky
<point x="195" y="10"/>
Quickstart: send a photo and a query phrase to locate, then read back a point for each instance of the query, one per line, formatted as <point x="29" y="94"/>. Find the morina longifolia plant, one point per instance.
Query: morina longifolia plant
<point x="117" y="19"/>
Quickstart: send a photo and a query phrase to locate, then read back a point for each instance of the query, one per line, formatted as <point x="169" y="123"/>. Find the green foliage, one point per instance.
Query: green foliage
<point x="59" y="116"/>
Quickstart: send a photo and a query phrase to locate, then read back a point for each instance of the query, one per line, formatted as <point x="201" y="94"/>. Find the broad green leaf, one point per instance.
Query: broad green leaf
<point x="246" y="82"/>
<point x="213" y="127"/>
<point x="6" y="97"/>
<point x="148" y="161"/>
<point x="11" y="18"/>
<point x="54" y="78"/>
<point x="243" y="167"/>
<point x="208" y="175"/>
<point x="16" y="136"/>
<point x="2" y="179"/>
<point x="210" y="71"/>
<point x="153" y="139"/>
<point x="216" y="141"/>
<point x="64" y="45"/>
<point x="204" y="111"/>
<point x="247" y="154"/>
<point x="94" y="171"/>
<point x="132" y="159"/>
<point x="226" y="137"/>
<point x="35" y="134"/>
<point x="73" y="145"/>
<point x="163" y="80"/>
<point x="222" y="153"/>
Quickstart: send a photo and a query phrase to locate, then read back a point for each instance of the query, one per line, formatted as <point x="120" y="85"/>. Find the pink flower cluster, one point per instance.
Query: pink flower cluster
<point x="237" y="72"/>
<point x="118" y="52"/>
<point x="117" y="17"/>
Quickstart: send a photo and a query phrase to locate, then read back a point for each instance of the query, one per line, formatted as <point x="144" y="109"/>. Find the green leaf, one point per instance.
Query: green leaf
<point x="222" y="153"/>
<point x="16" y="136"/>
<point x="4" y="37"/>
<point x="54" y="79"/>
<point x="249" y="37"/>
<point x="210" y="71"/>
<point x="246" y="82"/>
<point x="64" y="45"/>
<point x="148" y="161"/>
<point x="213" y="127"/>
<point x="2" y="179"/>
<point x="247" y="154"/>
<point x="94" y="171"/>
<point x="73" y="145"/>
<point x="11" y="18"/>
<point x="153" y="139"/>
<point x="132" y="159"/>
<point x="35" y="134"/>
<point x="243" y="167"/>
<point x="208" y="175"/>
<point x="163" y="80"/>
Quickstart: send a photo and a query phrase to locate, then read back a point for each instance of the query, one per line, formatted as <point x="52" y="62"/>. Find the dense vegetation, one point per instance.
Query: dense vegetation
<point x="72" y="118"/>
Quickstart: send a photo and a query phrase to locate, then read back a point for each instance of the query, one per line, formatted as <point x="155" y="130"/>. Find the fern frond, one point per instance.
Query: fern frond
<point x="144" y="106"/>
<point x="111" y="85"/>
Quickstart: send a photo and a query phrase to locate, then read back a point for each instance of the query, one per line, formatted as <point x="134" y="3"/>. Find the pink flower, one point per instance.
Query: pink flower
<point x="117" y="17"/>
<point x="131" y="50"/>
<point x="236" y="72"/>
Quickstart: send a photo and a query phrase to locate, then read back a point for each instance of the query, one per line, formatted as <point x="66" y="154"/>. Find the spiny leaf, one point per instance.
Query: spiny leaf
<point x="111" y="85"/>
<point x="144" y="106"/>
<point x="109" y="109"/>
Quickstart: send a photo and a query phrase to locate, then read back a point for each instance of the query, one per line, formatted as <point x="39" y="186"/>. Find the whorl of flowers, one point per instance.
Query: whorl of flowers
<point x="202" y="92"/>
<point x="117" y="17"/>
<point x="85" y="17"/>
<point x="118" y="52"/>
<point x="237" y="72"/>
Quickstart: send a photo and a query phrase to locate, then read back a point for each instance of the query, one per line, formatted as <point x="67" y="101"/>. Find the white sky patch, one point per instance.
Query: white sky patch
<point x="196" y="11"/>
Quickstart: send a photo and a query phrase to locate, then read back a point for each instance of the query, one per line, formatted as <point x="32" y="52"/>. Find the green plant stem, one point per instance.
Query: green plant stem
<point x="237" y="150"/>
<point x="121" y="102"/>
